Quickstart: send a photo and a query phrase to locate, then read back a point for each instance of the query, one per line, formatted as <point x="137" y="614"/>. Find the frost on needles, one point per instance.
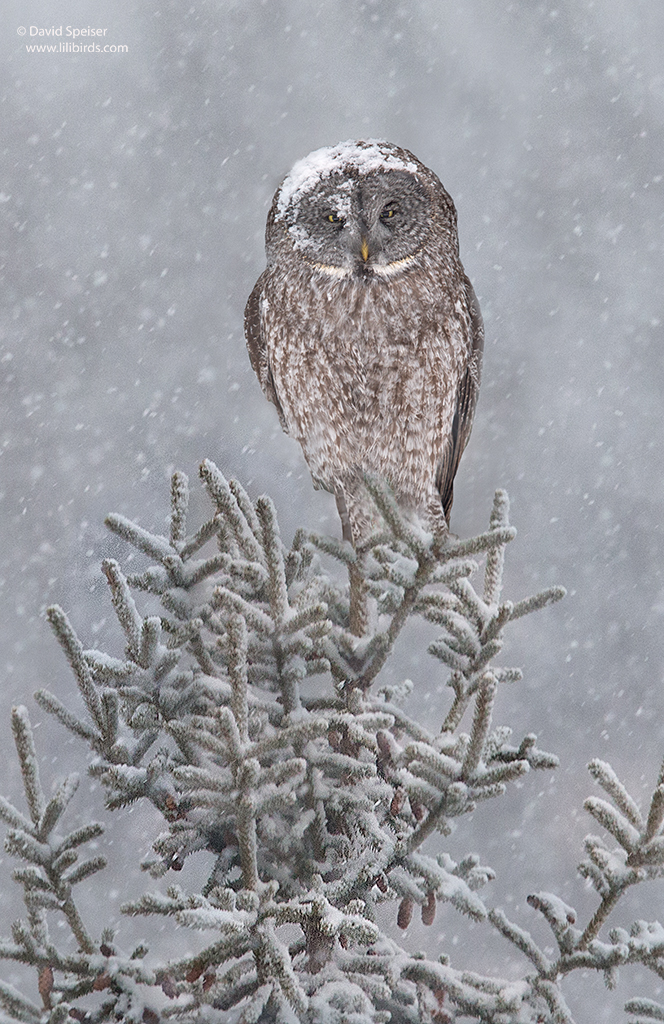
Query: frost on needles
<point x="250" y="714"/>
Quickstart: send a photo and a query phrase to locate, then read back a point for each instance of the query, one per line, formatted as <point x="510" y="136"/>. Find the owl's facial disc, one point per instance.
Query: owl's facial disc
<point x="361" y="224"/>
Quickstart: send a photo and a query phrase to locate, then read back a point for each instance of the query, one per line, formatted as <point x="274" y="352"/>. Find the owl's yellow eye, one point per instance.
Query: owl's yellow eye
<point x="388" y="212"/>
<point x="334" y="218"/>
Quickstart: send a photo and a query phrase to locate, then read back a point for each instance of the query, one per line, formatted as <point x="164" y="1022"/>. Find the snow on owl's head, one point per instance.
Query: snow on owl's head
<point x="356" y="208"/>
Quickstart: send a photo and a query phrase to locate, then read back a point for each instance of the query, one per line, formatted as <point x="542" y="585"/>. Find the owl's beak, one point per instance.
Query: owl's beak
<point x="364" y="249"/>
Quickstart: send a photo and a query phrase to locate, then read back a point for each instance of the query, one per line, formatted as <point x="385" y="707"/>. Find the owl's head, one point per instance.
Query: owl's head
<point x="359" y="208"/>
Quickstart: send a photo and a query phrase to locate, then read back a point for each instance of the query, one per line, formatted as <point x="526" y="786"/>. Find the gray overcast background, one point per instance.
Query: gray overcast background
<point x="133" y="194"/>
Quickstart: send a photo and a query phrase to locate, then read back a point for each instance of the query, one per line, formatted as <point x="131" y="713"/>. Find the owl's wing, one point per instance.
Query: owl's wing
<point x="469" y="387"/>
<point x="257" y="348"/>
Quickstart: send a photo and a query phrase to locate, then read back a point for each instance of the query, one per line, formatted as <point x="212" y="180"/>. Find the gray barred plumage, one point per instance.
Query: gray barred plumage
<point x="364" y="330"/>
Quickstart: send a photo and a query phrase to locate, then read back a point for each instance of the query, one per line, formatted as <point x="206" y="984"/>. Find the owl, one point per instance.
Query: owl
<point x="364" y="330"/>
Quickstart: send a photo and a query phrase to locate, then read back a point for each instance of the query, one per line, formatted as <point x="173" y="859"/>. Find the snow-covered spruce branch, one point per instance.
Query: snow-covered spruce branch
<point x="313" y="804"/>
<point x="50" y="870"/>
<point x="638" y="857"/>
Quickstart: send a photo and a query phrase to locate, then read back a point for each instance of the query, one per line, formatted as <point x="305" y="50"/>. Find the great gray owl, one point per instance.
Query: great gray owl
<point x="364" y="330"/>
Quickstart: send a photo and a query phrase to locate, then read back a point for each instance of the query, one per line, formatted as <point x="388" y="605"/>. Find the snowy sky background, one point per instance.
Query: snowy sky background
<point x="133" y="196"/>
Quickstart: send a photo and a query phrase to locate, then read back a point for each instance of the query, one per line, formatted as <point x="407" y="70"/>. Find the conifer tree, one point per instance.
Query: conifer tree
<point x="252" y="717"/>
